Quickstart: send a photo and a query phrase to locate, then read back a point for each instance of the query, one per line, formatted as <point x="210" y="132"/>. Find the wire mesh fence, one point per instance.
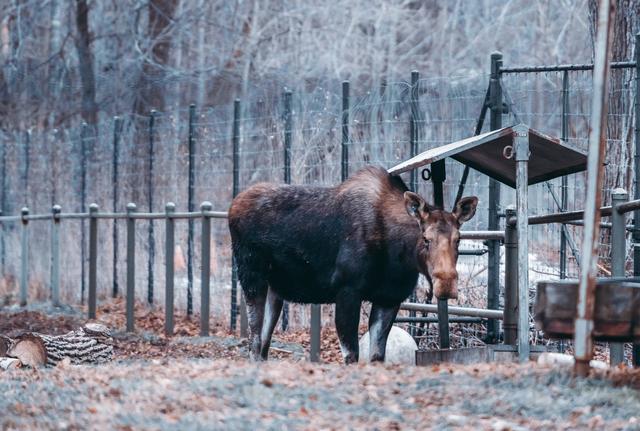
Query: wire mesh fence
<point x="148" y="160"/>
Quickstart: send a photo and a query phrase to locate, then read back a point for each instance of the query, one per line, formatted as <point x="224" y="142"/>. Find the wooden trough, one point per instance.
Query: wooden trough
<point x="617" y="309"/>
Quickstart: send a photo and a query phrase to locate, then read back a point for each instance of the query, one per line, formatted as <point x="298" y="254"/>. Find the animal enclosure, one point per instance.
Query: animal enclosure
<point x="309" y="135"/>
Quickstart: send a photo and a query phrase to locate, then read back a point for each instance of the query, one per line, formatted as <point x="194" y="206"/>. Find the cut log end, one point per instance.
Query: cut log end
<point x="29" y="349"/>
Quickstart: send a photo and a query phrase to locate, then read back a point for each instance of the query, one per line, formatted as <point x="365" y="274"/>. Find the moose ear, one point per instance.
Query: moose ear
<point x="466" y="209"/>
<point x="416" y="206"/>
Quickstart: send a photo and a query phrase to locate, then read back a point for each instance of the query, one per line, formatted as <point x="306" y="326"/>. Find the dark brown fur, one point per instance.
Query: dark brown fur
<point x="362" y="240"/>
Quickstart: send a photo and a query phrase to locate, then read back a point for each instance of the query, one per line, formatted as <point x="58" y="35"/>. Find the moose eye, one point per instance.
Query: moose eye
<point x="427" y="243"/>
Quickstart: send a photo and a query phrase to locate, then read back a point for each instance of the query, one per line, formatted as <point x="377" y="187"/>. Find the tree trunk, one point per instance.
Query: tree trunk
<point x="151" y="86"/>
<point x="85" y="63"/>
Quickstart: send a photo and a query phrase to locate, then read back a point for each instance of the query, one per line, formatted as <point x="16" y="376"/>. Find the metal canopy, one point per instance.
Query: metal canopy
<point x="550" y="158"/>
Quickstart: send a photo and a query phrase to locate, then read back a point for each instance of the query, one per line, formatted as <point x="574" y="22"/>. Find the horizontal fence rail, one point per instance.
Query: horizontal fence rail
<point x="456" y="311"/>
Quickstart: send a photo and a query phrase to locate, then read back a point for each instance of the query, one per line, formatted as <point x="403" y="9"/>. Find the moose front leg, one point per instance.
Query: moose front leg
<point x="380" y="323"/>
<point x="272" y="312"/>
<point x="347" y="320"/>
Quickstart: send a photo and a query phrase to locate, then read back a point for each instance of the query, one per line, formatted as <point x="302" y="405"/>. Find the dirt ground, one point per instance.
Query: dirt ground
<point x="191" y="382"/>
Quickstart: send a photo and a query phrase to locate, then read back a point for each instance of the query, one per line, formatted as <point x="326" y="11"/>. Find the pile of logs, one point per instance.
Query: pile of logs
<point x="90" y="344"/>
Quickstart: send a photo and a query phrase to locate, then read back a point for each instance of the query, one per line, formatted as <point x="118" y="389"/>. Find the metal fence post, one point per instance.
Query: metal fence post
<point x="205" y="275"/>
<point x="152" y="243"/>
<point x="83" y="205"/>
<point x="636" y="188"/>
<point x="25" y="166"/>
<point x="117" y="129"/>
<point x="583" y="341"/>
<point x="191" y="207"/>
<point x="493" y="265"/>
<point x="93" y="259"/>
<point x="344" y="171"/>
<point x="3" y="204"/>
<point x="287" y="175"/>
<point x="443" y="323"/>
<point x="235" y="137"/>
<point x="55" y="255"/>
<point x="521" y="147"/>
<point x="413" y="150"/>
<point x="618" y="258"/>
<point x="131" y="265"/>
<point x="169" y="253"/>
<point x="563" y="195"/>
<point x="510" y="322"/>
<point x="24" y="257"/>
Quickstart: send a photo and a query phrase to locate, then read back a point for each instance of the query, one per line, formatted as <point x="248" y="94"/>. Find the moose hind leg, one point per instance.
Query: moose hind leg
<point x="271" y="315"/>
<point x="255" y="295"/>
<point x="347" y="319"/>
<point x="380" y="322"/>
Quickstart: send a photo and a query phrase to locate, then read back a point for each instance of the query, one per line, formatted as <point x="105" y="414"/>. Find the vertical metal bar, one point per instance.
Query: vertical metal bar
<point x="493" y="268"/>
<point x="93" y="259"/>
<point x="191" y="208"/>
<point x="3" y="204"/>
<point x="24" y="257"/>
<point x="521" y="144"/>
<point x="443" y="323"/>
<point x="235" y="136"/>
<point x="564" y="195"/>
<point x="636" y="187"/>
<point x="131" y="265"/>
<point x="510" y="322"/>
<point x="618" y="258"/>
<point x="152" y="243"/>
<point x="205" y="274"/>
<point x="413" y="150"/>
<point x="288" y="126"/>
<point x="316" y="329"/>
<point x="583" y="342"/>
<point x="413" y="126"/>
<point x="117" y="129"/>
<point x="55" y="256"/>
<point x="83" y="205"/>
<point x="169" y="253"/>
<point x="25" y="166"/>
<point x="345" y="131"/>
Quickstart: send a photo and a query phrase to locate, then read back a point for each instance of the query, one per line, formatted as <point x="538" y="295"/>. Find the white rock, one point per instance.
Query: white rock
<point x="564" y="360"/>
<point x="401" y="347"/>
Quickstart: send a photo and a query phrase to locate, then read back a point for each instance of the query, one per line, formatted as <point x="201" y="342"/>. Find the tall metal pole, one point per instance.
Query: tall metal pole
<point x="117" y="129"/>
<point x="413" y="126"/>
<point x="636" y="188"/>
<point x="583" y="342"/>
<point x="521" y="144"/>
<point x="131" y="266"/>
<point x="618" y="258"/>
<point x="169" y="251"/>
<point x="564" y="194"/>
<point x="287" y="176"/>
<point x="24" y="257"/>
<point x="191" y="207"/>
<point x="510" y="322"/>
<point x="93" y="260"/>
<point x="152" y="244"/>
<point x="3" y="204"/>
<point x="413" y="150"/>
<point x="235" y="137"/>
<point x="345" y="131"/>
<point x="25" y="167"/>
<point x="205" y="265"/>
<point x="55" y="256"/>
<point x="493" y="268"/>
<point x="83" y="204"/>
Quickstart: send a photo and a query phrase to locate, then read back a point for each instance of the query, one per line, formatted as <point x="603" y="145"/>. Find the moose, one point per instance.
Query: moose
<point x="366" y="239"/>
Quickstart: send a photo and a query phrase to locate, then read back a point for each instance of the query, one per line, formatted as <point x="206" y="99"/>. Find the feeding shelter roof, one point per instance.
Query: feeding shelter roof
<point x="487" y="153"/>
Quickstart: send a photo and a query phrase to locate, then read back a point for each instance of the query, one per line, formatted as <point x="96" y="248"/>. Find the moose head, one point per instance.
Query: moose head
<point x="437" y="250"/>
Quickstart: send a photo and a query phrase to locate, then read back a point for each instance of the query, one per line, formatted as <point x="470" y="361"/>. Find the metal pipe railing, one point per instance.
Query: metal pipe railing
<point x="456" y="311"/>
